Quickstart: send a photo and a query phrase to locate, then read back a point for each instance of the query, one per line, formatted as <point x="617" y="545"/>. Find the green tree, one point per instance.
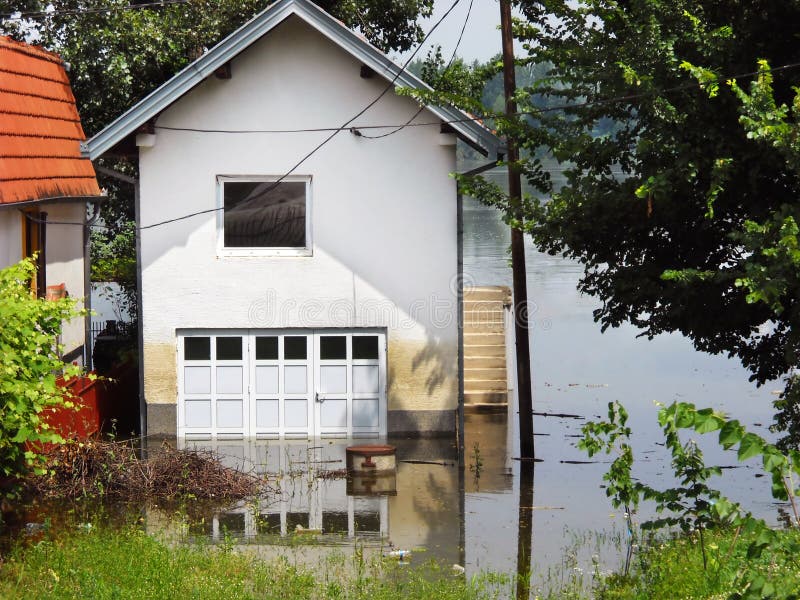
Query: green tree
<point x="681" y="213"/>
<point x="30" y="366"/>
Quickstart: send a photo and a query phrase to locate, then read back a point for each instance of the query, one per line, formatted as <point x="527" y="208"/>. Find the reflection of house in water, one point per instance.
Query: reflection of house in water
<point x="423" y="507"/>
<point x="307" y="513"/>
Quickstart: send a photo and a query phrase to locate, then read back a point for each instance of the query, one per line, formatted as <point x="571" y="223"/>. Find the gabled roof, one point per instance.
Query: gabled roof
<point x="195" y="73"/>
<point x="40" y="130"/>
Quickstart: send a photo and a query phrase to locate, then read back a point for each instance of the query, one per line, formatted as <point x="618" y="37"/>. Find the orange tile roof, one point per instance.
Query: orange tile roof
<point x="40" y="130"/>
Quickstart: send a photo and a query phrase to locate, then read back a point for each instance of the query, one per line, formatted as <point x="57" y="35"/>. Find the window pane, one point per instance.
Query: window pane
<point x="266" y="348"/>
<point x="229" y="348"/>
<point x="263" y="214"/>
<point x="333" y="347"/>
<point x="365" y="347"/>
<point x="196" y="348"/>
<point x="294" y="347"/>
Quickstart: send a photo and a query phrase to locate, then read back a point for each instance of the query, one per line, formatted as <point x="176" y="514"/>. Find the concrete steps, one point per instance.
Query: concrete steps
<point x="485" y="374"/>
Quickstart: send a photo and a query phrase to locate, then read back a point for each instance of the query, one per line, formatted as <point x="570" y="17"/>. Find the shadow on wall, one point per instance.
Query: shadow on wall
<point x="438" y="362"/>
<point x="422" y="374"/>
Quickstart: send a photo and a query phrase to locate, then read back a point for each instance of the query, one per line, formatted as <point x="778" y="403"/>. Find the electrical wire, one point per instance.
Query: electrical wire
<point x="346" y="126"/>
<point x="324" y="142"/>
<point x="478" y="118"/>
<point x="444" y="72"/>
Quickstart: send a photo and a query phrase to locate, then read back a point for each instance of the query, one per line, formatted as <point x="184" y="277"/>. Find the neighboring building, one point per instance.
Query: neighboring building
<point x="45" y="183"/>
<point x="319" y="303"/>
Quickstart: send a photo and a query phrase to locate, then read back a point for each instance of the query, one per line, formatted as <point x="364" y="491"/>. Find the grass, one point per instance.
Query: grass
<point x="127" y="563"/>
<point x="674" y="569"/>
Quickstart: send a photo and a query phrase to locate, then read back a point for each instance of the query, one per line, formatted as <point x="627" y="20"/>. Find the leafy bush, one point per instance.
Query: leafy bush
<point x="755" y="552"/>
<point x="29" y="368"/>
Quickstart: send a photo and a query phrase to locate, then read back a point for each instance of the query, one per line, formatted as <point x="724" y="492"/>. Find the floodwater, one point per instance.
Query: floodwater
<point x="550" y="518"/>
<point x="489" y="516"/>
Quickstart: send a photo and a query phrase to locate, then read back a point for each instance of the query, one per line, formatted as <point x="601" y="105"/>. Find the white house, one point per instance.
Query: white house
<point x="45" y="183"/>
<point x="293" y="286"/>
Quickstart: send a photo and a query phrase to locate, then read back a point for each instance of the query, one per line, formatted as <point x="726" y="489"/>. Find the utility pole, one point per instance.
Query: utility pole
<point x="521" y="334"/>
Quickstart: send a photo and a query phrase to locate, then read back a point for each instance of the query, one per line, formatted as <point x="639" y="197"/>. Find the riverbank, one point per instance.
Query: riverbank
<point x="102" y="562"/>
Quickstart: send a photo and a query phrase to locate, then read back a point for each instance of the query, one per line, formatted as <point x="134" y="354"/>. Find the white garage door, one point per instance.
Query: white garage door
<point x="281" y="383"/>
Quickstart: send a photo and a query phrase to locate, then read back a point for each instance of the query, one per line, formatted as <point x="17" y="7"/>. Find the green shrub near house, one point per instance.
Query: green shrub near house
<point x="29" y="367"/>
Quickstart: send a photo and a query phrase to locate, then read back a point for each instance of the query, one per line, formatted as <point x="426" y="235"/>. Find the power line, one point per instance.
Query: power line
<point x="444" y="72"/>
<point x="345" y="125"/>
<point x="475" y="118"/>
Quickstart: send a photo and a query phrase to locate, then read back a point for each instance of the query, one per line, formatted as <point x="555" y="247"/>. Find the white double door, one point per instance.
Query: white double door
<point x="281" y="383"/>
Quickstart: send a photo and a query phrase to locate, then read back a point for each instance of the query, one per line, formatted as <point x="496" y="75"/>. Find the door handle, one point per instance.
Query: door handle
<point x="318" y="399"/>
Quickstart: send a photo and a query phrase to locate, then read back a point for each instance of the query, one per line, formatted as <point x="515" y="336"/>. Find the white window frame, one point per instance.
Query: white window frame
<point x="223" y="251"/>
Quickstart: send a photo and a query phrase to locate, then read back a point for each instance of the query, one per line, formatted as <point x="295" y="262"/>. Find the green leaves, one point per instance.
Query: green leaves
<point x="28" y="335"/>
<point x="751" y="445"/>
<point x="730" y="434"/>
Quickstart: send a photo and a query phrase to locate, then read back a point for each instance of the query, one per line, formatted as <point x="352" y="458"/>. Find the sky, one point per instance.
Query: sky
<point x="481" y="38"/>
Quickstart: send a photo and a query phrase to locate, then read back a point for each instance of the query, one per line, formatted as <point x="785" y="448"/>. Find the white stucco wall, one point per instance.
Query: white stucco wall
<point x="10" y="237"/>
<point x="383" y="217"/>
<point x="64" y="255"/>
<point x="65" y="261"/>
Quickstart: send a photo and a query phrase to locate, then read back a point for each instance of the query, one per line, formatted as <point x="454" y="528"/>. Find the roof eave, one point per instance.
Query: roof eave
<point x="196" y="72"/>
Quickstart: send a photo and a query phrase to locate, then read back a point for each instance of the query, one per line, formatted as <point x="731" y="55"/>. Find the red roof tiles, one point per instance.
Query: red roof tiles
<point x="40" y="130"/>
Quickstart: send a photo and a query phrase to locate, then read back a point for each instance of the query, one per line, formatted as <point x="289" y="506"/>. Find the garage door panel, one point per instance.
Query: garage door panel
<point x="267" y="380"/>
<point x="333" y="379"/>
<point x="197" y="380"/>
<point x="230" y="380"/>
<point x="230" y="414"/>
<point x="197" y="413"/>
<point x="366" y="413"/>
<point x="295" y="413"/>
<point x="333" y="414"/>
<point x="295" y="379"/>
<point x="366" y="379"/>
<point x="268" y="414"/>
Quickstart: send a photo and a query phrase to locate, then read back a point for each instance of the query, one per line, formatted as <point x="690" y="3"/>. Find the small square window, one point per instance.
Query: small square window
<point x="197" y="348"/>
<point x="294" y="347"/>
<point x="229" y="348"/>
<point x="265" y="217"/>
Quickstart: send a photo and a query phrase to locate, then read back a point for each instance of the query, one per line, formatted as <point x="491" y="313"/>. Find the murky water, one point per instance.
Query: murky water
<point x="489" y="516"/>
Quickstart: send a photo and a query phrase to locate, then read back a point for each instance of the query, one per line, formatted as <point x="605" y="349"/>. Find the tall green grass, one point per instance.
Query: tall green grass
<point x="674" y="570"/>
<point x="128" y="563"/>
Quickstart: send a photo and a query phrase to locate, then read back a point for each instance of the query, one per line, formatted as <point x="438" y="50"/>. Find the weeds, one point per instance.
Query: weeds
<point x="701" y="511"/>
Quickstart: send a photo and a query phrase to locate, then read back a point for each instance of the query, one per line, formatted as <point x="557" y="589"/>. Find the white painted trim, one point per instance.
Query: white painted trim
<point x="249" y="395"/>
